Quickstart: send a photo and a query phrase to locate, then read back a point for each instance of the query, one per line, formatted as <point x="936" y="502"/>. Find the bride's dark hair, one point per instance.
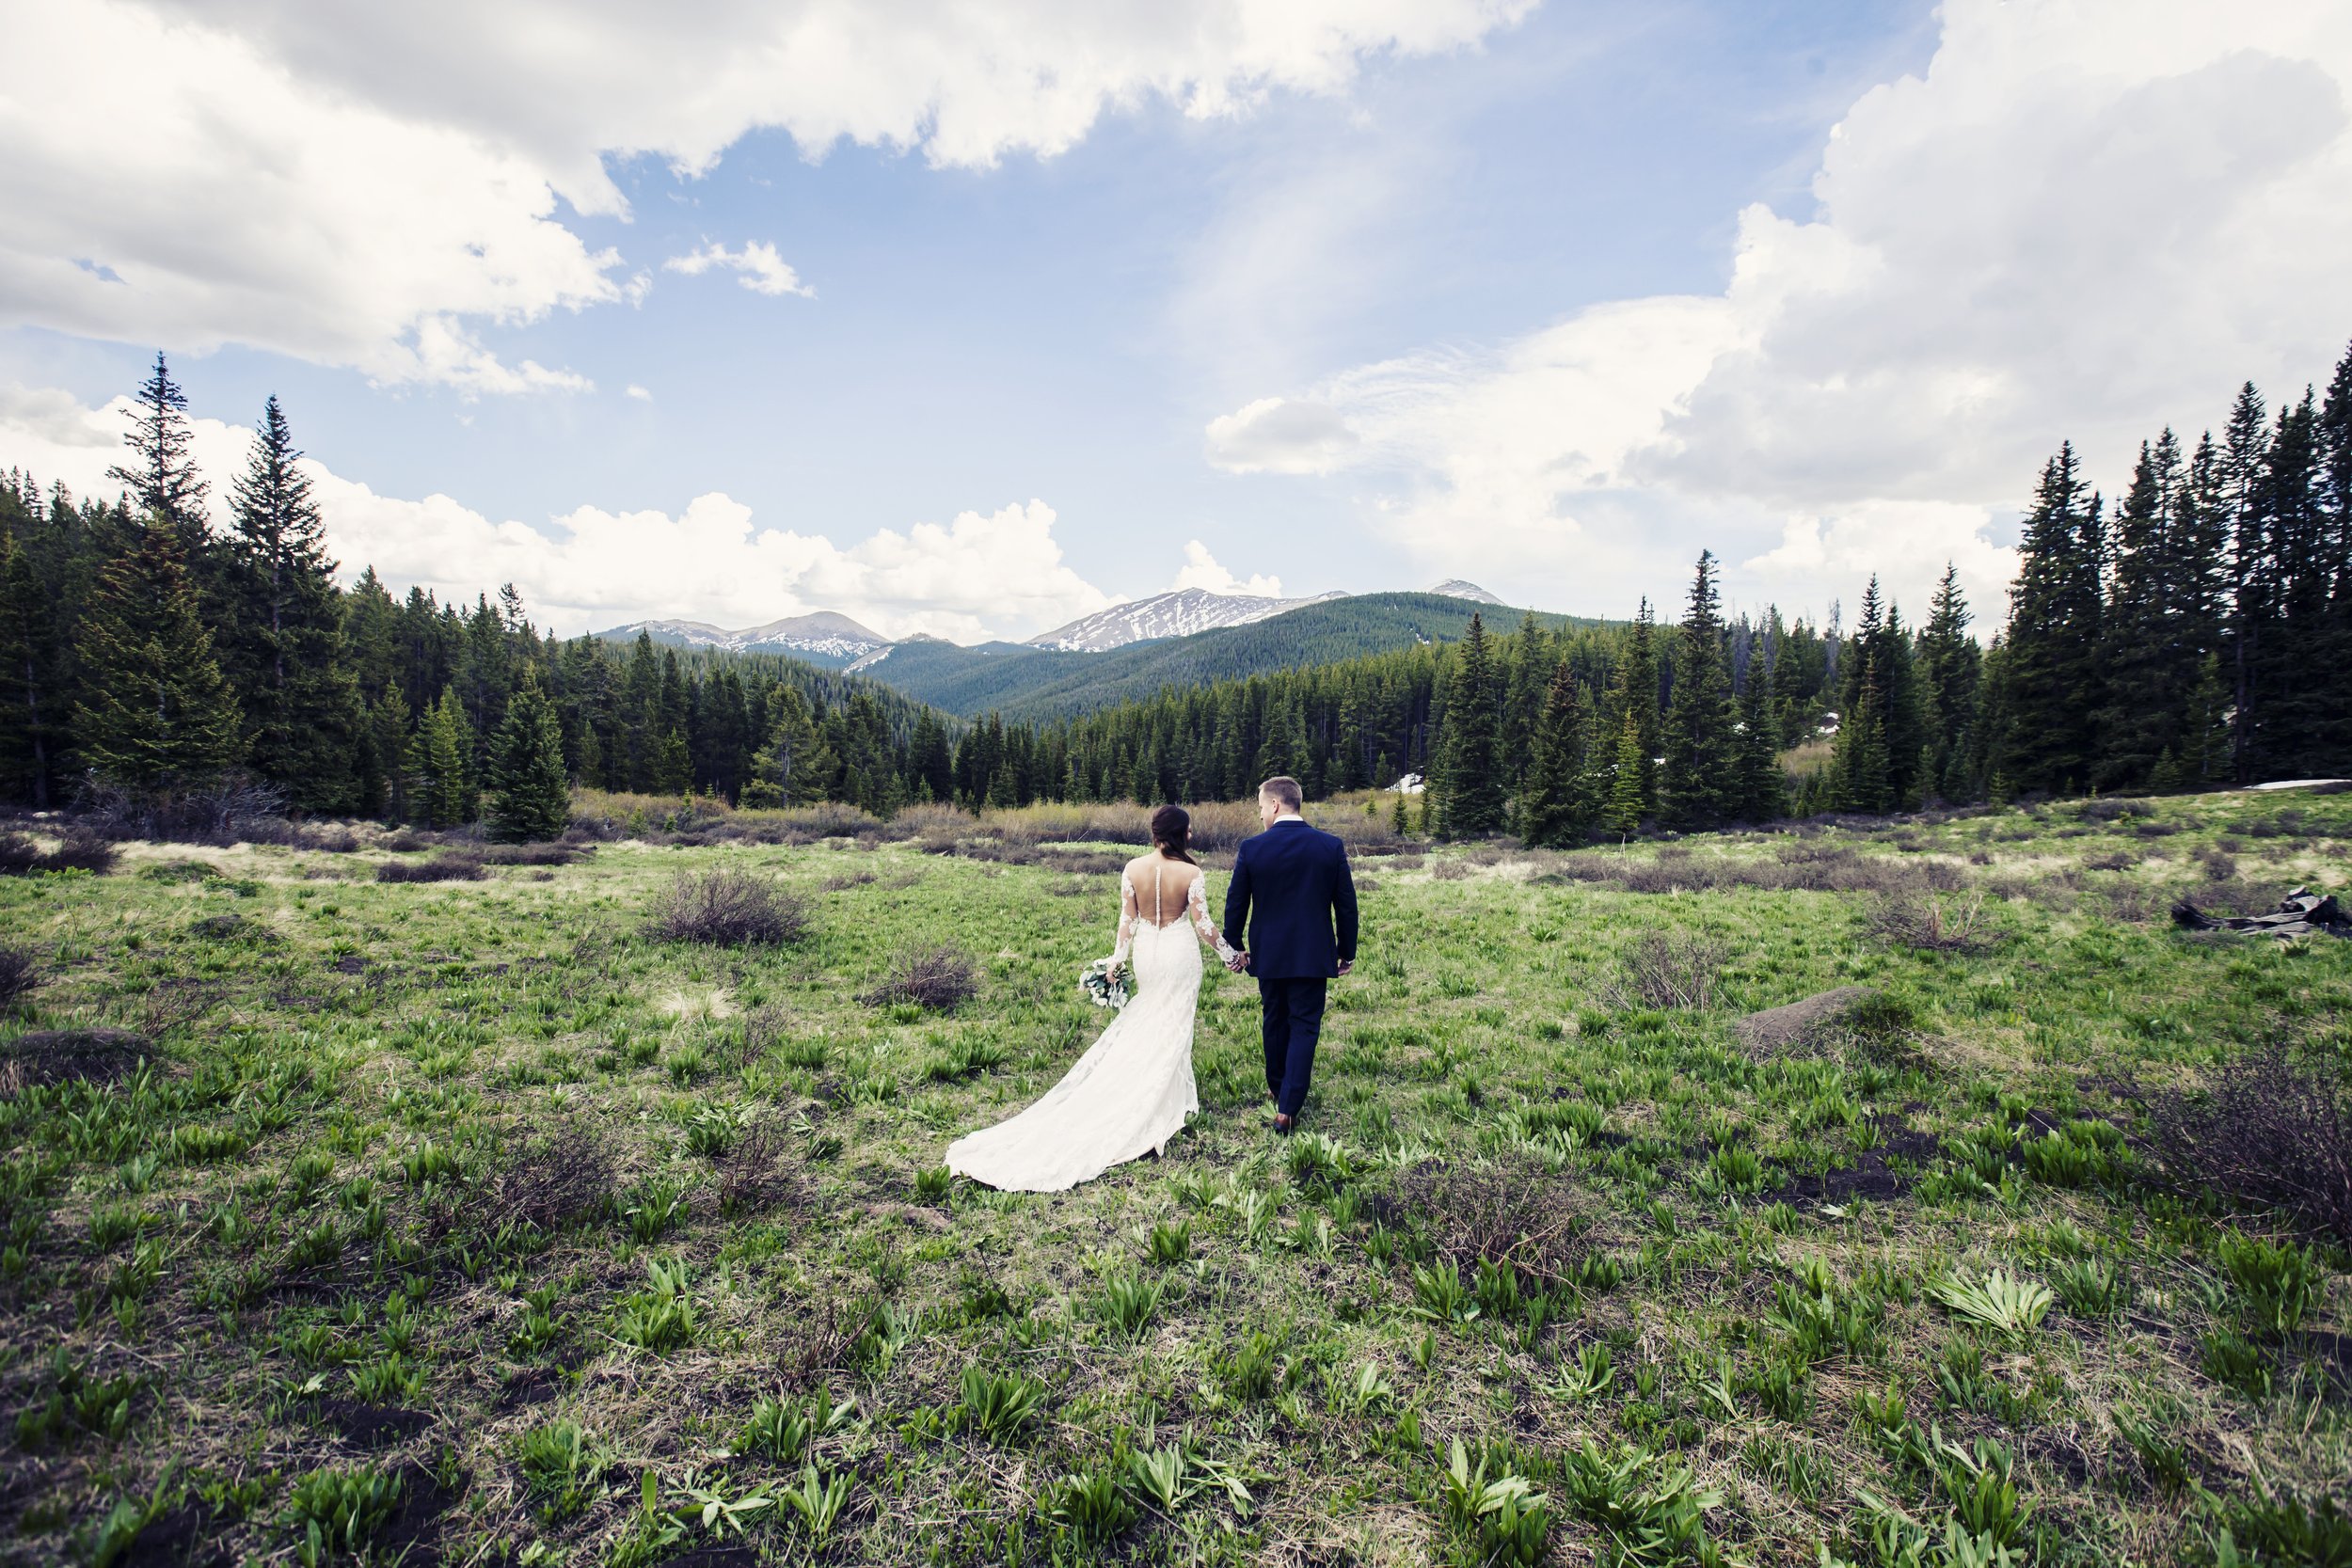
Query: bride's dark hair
<point x="1171" y="831"/>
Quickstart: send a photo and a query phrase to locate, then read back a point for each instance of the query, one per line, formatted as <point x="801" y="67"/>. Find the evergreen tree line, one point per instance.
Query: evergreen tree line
<point x="144" y="650"/>
<point x="2197" y="635"/>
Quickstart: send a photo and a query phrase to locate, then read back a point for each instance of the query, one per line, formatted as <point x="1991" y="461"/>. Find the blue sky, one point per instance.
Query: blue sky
<point x="1463" y="262"/>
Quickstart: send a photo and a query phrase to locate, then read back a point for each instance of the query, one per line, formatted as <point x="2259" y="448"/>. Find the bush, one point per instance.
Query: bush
<point x="441" y="868"/>
<point x="1925" y="924"/>
<point x="535" y="854"/>
<point x="80" y="850"/>
<point x="559" y="1180"/>
<point x="20" y="975"/>
<point x="1664" y="972"/>
<point x="2269" y="1129"/>
<point x="934" y="978"/>
<point x="729" y="909"/>
<point x="233" y="808"/>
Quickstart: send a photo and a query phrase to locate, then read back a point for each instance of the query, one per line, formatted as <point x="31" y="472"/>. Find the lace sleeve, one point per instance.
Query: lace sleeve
<point x="1126" y="915"/>
<point x="1197" y="904"/>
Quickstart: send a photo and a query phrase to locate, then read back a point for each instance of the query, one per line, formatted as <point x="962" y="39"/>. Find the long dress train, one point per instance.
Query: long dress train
<point x="1134" y="1087"/>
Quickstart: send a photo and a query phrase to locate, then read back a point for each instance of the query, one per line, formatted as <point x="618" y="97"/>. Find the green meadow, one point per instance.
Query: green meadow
<point x="475" y="1222"/>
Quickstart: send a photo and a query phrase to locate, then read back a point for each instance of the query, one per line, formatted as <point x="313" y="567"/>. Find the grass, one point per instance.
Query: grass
<point x="474" y="1218"/>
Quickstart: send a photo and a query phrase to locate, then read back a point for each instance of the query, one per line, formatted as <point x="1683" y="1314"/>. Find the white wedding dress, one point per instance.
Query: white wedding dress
<point x="1134" y="1087"/>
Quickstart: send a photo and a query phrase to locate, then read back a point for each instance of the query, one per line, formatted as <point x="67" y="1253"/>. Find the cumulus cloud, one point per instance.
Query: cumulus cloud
<point x="373" y="186"/>
<point x="2083" y="221"/>
<point x="1200" y="570"/>
<point x="1282" y="435"/>
<point x="757" y="266"/>
<point x="982" y="575"/>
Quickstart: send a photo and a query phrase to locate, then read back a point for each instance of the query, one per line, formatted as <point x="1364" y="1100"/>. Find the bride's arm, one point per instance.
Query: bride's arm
<point x="1126" y="916"/>
<point x="1197" y="904"/>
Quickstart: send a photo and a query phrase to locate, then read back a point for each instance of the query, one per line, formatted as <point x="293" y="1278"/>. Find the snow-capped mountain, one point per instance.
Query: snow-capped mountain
<point x="824" y="636"/>
<point x="1174" y="614"/>
<point x="1455" y="588"/>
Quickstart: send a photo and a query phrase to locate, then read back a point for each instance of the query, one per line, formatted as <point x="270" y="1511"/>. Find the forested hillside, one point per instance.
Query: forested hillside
<point x="1019" y="681"/>
<point x="2197" y="632"/>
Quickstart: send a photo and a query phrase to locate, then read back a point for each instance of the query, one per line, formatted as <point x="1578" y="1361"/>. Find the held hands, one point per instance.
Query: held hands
<point x="1346" y="964"/>
<point x="1238" y="963"/>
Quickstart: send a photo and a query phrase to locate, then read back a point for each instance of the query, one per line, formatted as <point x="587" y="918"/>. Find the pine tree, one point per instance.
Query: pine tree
<point x="1950" y="665"/>
<point x="1698" y="785"/>
<point x="1635" y="697"/>
<point x="30" y="705"/>
<point x="2253" y="590"/>
<point x="155" y="711"/>
<point x="440" y="761"/>
<point x="283" y="635"/>
<point x="2054" y="635"/>
<point x="1762" y="789"/>
<point x="388" y="746"/>
<point x="1553" y="808"/>
<point x="163" y="480"/>
<point x="532" y="797"/>
<point x="1622" y="816"/>
<point x="1469" y="773"/>
<point x="1858" y="762"/>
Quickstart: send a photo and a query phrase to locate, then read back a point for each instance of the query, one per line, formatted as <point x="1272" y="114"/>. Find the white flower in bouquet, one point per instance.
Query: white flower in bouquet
<point x="1107" y="982"/>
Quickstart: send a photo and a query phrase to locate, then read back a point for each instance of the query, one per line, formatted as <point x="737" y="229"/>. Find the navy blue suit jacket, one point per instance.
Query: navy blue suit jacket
<point x="1292" y="904"/>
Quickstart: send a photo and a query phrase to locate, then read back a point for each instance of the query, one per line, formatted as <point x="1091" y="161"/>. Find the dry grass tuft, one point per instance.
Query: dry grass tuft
<point x="751" y="1173"/>
<point x="1502" y="1216"/>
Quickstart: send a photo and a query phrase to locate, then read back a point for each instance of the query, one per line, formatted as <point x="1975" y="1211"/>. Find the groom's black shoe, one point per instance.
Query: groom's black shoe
<point x="1283" y="1124"/>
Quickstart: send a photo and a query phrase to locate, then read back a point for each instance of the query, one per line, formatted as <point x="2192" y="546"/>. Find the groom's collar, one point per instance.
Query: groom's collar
<point x="1279" y="820"/>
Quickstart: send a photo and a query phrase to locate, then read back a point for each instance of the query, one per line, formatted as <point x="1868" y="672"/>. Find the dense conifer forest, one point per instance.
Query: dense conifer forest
<point x="2196" y="632"/>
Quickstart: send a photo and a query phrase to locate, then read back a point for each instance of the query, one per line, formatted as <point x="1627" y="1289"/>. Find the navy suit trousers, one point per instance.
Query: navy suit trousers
<point x="1292" y="1014"/>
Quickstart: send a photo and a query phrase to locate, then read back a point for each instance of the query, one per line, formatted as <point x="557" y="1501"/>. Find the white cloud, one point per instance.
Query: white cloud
<point x="981" y="575"/>
<point x="640" y="393"/>
<point x="371" y="186"/>
<point x="2086" y="220"/>
<point x="1200" y="570"/>
<point x="760" y="269"/>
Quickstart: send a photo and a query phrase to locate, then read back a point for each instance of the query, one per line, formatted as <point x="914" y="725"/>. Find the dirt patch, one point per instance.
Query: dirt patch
<point x="1870" y="1176"/>
<point x="71" y="1055"/>
<point x="1778" y="1029"/>
<point x="373" y="1426"/>
<point x="176" y="1537"/>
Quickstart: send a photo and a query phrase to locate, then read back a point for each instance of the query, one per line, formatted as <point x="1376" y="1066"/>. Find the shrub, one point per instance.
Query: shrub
<point x="936" y="978"/>
<point x="729" y="909"/>
<point x="20" y="975"/>
<point x="561" y="1179"/>
<point x="1925" y="924"/>
<point x="438" y="868"/>
<point x="79" y="850"/>
<point x="535" y="854"/>
<point x="2269" y="1129"/>
<point x="751" y="1175"/>
<point x="1662" y="971"/>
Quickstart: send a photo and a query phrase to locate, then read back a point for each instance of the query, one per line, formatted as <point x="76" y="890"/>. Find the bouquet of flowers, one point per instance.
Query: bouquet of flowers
<point x="1107" y="982"/>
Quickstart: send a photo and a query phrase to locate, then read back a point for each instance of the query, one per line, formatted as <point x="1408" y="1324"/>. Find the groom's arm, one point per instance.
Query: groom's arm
<point x="1344" y="904"/>
<point x="1238" y="902"/>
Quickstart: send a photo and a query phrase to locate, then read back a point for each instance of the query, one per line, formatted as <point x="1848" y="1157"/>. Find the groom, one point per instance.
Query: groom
<point x="1298" y="878"/>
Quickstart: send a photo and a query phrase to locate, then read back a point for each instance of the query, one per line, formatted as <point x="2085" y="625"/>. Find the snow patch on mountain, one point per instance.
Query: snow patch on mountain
<point x="1180" y="613"/>
<point x="1455" y="588"/>
<point x="824" y="635"/>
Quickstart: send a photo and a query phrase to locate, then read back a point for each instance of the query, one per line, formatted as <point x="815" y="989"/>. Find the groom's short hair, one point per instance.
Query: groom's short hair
<point x="1284" y="789"/>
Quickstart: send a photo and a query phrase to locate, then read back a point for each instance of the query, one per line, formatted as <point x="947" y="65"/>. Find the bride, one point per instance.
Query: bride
<point x="1134" y="1087"/>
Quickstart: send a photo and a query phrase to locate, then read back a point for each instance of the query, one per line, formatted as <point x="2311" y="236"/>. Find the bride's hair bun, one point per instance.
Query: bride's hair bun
<point x="1171" y="831"/>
